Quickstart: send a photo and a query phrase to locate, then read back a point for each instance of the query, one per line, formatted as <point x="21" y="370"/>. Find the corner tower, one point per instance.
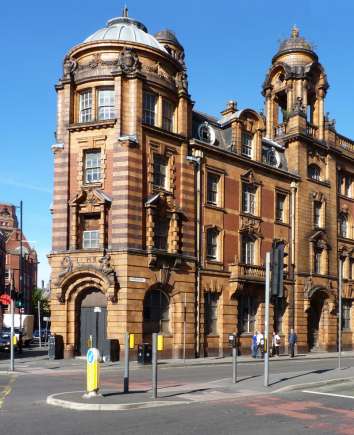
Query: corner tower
<point x="122" y="225"/>
<point x="295" y="83"/>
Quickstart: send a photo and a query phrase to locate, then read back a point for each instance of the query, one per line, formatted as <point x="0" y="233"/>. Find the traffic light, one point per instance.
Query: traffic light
<point x="278" y="255"/>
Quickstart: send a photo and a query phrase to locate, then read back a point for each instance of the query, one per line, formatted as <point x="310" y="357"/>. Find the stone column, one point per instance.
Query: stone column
<point x="320" y="114"/>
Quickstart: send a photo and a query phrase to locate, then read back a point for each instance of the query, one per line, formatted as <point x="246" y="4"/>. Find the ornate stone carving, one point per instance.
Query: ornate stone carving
<point x="128" y="62"/>
<point x="316" y="154"/>
<point x="106" y="267"/>
<point x="250" y="225"/>
<point x="96" y="61"/>
<point x="66" y="267"/>
<point x="182" y="81"/>
<point x="299" y="108"/>
<point x="70" y="66"/>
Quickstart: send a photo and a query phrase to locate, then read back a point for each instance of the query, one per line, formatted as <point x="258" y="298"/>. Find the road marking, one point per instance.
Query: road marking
<point x="7" y="390"/>
<point x="319" y="393"/>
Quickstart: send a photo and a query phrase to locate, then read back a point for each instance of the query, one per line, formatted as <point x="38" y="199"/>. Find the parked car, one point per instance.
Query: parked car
<point x="5" y="339"/>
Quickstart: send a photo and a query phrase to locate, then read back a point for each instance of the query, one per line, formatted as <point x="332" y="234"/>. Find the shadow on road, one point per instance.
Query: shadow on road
<point x="317" y="372"/>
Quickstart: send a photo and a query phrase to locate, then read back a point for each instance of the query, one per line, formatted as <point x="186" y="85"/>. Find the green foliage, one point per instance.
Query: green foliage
<point x="38" y="295"/>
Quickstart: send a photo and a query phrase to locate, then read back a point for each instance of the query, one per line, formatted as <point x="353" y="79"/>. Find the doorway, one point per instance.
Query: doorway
<point x="93" y="323"/>
<point x="315" y="320"/>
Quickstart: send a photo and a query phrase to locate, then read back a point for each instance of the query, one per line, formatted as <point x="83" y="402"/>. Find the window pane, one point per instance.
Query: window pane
<point x="86" y="106"/>
<point x="280" y="207"/>
<point x="90" y="239"/>
<point x="92" y="167"/>
<point x="248" y="199"/>
<point x="212" y="244"/>
<point x="106" y="104"/>
<point x="160" y="171"/>
<point x="246" y="144"/>
<point x="167" y="115"/>
<point x="212" y="188"/>
<point x="149" y="108"/>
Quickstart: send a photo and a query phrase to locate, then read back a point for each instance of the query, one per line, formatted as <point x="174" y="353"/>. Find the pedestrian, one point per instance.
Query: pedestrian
<point x="254" y="345"/>
<point x="292" y="342"/>
<point x="275" y="344"/>
<point x="260" y="343"/>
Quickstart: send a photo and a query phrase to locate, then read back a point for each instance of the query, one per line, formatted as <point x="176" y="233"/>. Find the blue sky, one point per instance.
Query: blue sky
<point x="228" y="44"/>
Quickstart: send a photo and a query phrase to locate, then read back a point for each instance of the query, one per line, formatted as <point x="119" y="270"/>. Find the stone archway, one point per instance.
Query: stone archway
<point x="316" y="322"/>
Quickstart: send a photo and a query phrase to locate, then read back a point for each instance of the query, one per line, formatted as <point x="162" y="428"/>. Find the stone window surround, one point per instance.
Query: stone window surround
<point x="286" y="209"/>
<point x="94" y="87"/>
<point x="160" y="96"/>
<point x="221" y="183"/>
<point x="220" y="244"/>
<point x="87" y="144"/>
<point x="170" y="154"/>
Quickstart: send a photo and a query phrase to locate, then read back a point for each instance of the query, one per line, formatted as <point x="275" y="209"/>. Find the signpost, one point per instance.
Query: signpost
<point x="233" y="343"/>
<point x="92" y="373"/>
<point x="157" y="345"/>
<point x="126" y="363"/>
<point x="266" y="321"/>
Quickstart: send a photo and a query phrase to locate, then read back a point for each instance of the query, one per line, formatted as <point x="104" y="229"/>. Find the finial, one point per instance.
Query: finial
<point x="125" y="11"/>
<point x="295" y="31"/>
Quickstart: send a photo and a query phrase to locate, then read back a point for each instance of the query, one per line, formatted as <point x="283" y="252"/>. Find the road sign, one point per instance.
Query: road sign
<point x="131" y="341"/>
<point x="5" y="299"/>
<point x="92" y="372"/>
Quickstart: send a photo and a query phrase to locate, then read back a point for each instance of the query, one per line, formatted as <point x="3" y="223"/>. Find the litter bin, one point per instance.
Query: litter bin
<point x="114" y="350"/>
<point x="144" y="353"/>
<point x="55" y="347"/>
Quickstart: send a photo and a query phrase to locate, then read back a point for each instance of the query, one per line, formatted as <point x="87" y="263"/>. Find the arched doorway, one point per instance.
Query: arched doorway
<point x="315" y="320"/>
<point x="156" y="313"/>
<point x="92" y="322"/>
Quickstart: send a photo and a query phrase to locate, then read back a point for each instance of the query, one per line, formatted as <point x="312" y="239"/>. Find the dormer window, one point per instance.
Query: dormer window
<point x="314" y="172"/>
<point x="206" y="133"/>
<point x="86" y="106"/>
<point x="246" y="144"/>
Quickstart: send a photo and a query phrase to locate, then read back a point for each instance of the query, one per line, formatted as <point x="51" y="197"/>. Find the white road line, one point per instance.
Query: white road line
<point x="328" y="394"/>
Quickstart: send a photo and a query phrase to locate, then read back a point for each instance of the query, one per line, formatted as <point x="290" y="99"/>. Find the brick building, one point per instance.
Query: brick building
<point x="2" y="269"/>
<point x="10" y="228"/>
<point x="162" y="215"/>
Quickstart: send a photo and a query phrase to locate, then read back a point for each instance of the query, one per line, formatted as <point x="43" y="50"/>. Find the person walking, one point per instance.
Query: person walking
<point x="260" y="343"/>
<point x="275" y="344"/>
<point x="292" y="342"/>
<point x="254" y="345"/>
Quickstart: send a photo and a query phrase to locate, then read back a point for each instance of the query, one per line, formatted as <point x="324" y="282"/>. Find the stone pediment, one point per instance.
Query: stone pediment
<point x="92" y="196"/>
<point x="319" y="238"/>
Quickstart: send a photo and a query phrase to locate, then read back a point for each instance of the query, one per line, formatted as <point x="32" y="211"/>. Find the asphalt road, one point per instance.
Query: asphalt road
<point x="23" y="409"/>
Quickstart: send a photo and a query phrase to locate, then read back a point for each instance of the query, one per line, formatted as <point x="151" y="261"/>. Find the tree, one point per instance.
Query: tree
<point x="39" y="295"/>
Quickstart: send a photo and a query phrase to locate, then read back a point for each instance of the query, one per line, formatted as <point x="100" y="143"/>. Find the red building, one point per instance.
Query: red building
<point x="9" y="226"/>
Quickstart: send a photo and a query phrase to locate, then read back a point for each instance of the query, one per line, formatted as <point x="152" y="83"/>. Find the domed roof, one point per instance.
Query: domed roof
<point x="126" y="29"/>
<point x="295" y="44"/>
<point x="167" y="35"/>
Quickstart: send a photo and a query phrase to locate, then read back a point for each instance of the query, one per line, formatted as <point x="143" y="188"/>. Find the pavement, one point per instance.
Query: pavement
<point x="38" y="358"/>
<point x="184" y="393"/>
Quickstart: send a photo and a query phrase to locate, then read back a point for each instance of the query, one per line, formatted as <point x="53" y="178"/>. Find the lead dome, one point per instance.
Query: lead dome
<point x="126" y="29"/>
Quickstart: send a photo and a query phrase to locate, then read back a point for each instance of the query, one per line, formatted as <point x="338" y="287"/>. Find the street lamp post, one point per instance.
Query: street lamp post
<point x="340" y="284"/>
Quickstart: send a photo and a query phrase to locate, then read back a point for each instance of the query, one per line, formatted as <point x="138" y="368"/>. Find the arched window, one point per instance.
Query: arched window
<point x="343" y="225"/>
<point x="212" y="237"/>
<point x="156" y="312"/>
<point x="314" y="172"/>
